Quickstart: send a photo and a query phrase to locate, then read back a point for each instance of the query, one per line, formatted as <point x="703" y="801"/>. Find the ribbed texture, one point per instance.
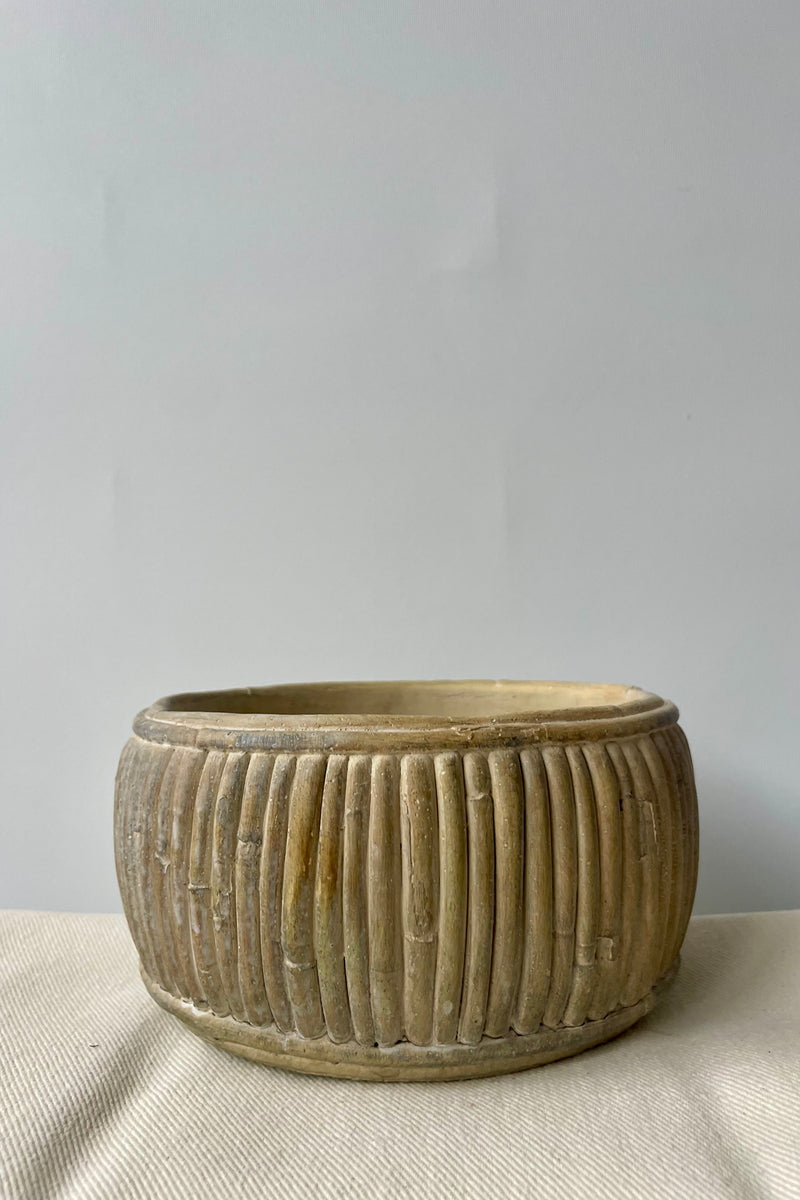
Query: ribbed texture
<point x="432" y="898"/>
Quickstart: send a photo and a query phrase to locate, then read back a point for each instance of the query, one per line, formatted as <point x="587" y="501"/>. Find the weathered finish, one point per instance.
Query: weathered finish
<point x="499" y="881"/>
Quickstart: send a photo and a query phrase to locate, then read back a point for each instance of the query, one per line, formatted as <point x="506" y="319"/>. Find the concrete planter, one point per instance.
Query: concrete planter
<point x="428" y="881"/>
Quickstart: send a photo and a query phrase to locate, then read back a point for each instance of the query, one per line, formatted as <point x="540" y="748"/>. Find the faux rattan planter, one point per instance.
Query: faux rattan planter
<point x="431" y="881"/>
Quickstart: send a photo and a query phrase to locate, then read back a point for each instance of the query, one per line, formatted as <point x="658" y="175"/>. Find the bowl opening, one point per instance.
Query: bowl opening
<point x="449" y="700"/>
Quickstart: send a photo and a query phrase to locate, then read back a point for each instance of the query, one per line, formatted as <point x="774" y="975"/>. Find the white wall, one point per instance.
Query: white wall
<point x="379" y="340"/>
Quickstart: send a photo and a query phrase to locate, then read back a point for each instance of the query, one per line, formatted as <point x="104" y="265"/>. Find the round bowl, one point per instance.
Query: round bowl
<point x="407" y="880"/>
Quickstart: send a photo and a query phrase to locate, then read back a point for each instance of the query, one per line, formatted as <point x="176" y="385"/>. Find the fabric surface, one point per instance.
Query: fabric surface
<point x="104" y="1095"/>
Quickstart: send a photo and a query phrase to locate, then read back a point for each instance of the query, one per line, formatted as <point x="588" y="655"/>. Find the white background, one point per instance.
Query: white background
<point x="398" y="340"/>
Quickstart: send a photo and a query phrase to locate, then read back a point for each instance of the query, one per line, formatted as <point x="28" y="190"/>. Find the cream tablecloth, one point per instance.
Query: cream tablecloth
<point x="104" y="1095"/>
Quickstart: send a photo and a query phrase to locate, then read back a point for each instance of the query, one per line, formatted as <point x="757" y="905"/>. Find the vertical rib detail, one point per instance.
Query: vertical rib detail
<point x="271" y="889"/>
<point x="223" y="858"/>
<point x="565" y="881"/>
<point x="644" y="969"/>
<point x="420" y="893"/>
<point x="384" y="884"/>
<point x="452" y="824"/>
<point x="588" y="890"/>
<point x="200" y="872"/>
<point x="538" y="890"/>
<point x="480" y="903"/>
<point x="297" y="901"/>
<point x="249" y="848"/>
<point x="608" y="801"/>
<point x="356" y="935"/>
<point x="329" y="903"/>
<point x="509" y="825"/>
<point x="427" y="897"/>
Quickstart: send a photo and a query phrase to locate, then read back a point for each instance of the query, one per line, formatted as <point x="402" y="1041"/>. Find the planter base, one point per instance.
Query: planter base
<point x="404" y="1062"/>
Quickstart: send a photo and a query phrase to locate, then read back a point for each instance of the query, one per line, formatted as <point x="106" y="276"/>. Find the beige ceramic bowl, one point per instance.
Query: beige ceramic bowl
<point x="407" y="880"/>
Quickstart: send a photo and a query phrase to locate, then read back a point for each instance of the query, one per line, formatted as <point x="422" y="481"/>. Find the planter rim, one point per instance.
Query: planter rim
<point x="368" y="716"/>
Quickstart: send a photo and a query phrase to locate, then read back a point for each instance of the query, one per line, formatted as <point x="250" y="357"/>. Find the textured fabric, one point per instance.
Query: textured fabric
<point x="104" y="1095"/>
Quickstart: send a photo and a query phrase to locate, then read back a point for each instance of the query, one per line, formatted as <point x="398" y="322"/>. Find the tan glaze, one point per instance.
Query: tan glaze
<point x="407" y="880"/>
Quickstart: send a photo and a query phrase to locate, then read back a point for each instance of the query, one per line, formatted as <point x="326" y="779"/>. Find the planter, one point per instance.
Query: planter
<point x="429" y="881"/>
